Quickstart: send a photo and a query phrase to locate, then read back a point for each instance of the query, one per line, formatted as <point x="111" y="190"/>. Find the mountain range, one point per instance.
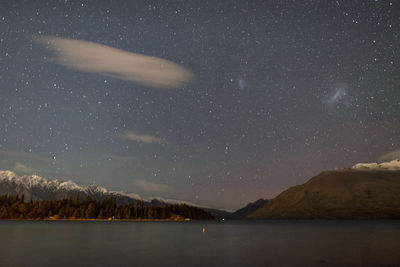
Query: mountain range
<point x="34" y="187"/>
<point x="247" y="210"/>
<point x="365" y="191"/>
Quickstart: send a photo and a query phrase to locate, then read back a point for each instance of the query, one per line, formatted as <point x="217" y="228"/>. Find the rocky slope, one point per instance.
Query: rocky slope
<point x="246" y="211"/>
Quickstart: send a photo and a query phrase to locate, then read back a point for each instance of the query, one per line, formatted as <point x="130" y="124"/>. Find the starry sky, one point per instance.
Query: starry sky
<point x="214" y="102"/>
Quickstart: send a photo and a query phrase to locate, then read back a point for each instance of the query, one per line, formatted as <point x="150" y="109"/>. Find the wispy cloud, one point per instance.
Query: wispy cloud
<point x="390" y="156"/>
<point x="131" y="136"/>
<point x="122" y="158"/>
<point x="20" y="167"/>
<point x="116" y="63"/>
<point x="65" y="175"/>
<point x="23" y="155"/>
<point x="152" y="187"/>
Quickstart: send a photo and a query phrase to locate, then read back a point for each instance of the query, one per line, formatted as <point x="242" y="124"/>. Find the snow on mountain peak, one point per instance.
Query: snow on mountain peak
<point x="7" y="175"/>
<point x="69" y="185"/>
<point x="34" y="181"/>
<point x="29" y="181"/>
<point x="96" y="189"/>
<point x="393" y="165"/>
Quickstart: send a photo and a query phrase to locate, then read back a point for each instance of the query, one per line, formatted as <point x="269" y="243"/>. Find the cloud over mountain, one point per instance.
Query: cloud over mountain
<point x="393" y="165"/>
<point x="152" y="187"/>
<point x="395" y="154"/>
<point x="20" y="167"/>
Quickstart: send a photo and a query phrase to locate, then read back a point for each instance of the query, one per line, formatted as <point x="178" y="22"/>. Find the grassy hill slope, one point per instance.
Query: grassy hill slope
<point x="342" y="194"/>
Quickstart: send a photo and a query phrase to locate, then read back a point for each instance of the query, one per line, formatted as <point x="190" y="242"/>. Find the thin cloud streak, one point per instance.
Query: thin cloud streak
<point x="116" y="63"/>
<point x="152" y="187"/>
<point x="390" y="156"/>
<point x="20" y="167"/>
<point x="131" y="136"/>
<point x="123" y="158"/>
<point x="23" y="155"/>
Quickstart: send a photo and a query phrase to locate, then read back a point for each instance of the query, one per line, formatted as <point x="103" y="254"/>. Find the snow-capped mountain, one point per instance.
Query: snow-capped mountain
<point x="35" y="187"/>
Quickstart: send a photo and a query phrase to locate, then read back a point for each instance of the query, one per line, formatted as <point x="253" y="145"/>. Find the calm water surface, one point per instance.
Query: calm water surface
<point x="261" y="243"/>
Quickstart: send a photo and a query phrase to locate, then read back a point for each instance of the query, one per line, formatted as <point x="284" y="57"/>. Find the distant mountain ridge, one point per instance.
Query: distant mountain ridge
<point x="361" y="192"/>
<point x="249" y="209"/>
<point x="35" y="187"/>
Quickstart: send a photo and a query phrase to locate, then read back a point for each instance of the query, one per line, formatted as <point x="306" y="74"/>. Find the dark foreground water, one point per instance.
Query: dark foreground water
<point x="263" y="243"/>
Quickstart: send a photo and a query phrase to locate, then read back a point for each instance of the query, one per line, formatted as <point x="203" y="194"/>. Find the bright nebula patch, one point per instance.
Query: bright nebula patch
<point x="338" y="100"/>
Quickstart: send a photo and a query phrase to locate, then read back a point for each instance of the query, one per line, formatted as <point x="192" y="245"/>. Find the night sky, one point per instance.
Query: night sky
<point x="214" y="102"/>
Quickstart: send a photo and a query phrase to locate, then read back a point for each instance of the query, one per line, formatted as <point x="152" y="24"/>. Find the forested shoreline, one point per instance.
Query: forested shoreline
<point x="14" y="207"/>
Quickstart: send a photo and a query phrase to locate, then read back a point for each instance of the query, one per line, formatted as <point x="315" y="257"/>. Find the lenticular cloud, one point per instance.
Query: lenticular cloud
<point x="120" y="64"/>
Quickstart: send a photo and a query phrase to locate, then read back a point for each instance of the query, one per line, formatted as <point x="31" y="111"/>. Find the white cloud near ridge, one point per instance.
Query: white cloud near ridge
<point x="152" y="187"/>
<point x="141" y="138"/>
<point x="393" y="165"/>
<point x="390" y="156"/>
<point x="116" y="63"/>
<point x="20" y="167"/>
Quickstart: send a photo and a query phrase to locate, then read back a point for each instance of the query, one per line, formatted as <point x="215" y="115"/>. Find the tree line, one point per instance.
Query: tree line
<point x="14" y="207"/>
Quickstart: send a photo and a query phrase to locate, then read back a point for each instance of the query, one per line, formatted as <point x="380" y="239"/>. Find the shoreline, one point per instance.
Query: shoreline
<point x="104" y="220"/>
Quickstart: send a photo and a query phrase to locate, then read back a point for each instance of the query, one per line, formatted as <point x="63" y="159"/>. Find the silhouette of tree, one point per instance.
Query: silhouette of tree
<point x="14" y="207"/>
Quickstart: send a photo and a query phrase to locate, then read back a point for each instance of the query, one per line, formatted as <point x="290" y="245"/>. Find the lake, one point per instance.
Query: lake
<point x="235" y="243"/>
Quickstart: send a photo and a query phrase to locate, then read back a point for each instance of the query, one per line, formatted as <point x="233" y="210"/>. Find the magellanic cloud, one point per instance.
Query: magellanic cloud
<point x="141" y="138"/>
<point x="116" y="63"/>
